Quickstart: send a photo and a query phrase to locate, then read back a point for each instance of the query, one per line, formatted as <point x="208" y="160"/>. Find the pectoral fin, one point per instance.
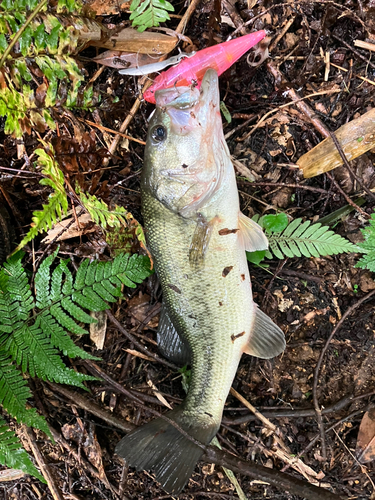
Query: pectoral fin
<point x="170" y="343"/>
<point x="266" y="339"/>
<point x="199" y="243"/>
<point x="251" y="235"/>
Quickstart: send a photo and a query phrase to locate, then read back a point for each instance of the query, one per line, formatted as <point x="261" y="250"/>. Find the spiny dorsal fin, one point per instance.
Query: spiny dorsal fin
<point x="251" y="234"/>
<point x="266" y="339"/>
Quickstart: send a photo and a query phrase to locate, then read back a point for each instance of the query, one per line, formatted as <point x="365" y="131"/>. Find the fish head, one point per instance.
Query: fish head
<point x="183" y="165"/>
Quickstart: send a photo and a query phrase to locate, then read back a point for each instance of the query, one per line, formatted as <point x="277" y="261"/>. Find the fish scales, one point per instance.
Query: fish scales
<point x="197" y="237"/>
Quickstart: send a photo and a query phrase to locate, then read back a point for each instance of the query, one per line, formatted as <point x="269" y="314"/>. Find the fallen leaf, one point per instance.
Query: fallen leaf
<point x="160" y="397"/>
<point x="85" y="222"/>
<point x="123" y="60"/>
<point x="99" y="329"/>
<point x="131" y="40"/>
<point x="365" y="450"/>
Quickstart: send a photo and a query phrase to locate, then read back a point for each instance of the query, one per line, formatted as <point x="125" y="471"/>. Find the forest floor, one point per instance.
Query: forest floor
<point x="305" y="297"/>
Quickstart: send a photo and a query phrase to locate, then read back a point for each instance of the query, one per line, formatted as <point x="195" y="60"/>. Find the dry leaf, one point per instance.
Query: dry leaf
<point x="123" y="60"/>
<point x="11" y="475"/>
<point x="99" y="329"/>
<point x="131" y="40"/>
<point x="86" y="225"/>
<point x="160" y="397"/>
<point x="365" y="451"/>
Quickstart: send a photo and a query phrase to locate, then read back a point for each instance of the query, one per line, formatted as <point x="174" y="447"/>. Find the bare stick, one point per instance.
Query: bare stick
<point x="140" y="346"/>
<point x="44" y="467"/>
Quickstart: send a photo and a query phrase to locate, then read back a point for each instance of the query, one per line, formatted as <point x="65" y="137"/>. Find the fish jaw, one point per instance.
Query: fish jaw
<point x="182" y="170"/>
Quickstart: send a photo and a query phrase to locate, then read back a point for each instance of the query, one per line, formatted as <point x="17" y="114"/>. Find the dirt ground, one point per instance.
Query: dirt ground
<point x="305" y="297"/>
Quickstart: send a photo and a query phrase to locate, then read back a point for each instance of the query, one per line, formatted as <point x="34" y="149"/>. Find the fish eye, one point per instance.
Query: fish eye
<point x="159" y="133"/>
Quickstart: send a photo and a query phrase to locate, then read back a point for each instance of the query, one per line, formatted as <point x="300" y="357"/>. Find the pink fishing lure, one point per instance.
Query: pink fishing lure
<point x="191" y="70"/>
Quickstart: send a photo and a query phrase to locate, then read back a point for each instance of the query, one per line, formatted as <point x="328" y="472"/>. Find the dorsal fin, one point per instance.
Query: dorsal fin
<point x="251" y="235"/>
<point x="266" y="339"/>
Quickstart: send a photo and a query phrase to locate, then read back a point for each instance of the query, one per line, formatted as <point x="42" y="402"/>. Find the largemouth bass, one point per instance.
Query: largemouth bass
<point x="198" y="237"/>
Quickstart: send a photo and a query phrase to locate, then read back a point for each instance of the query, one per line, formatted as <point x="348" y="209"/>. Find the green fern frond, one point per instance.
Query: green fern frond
<point x="61" y="304"/>
<point x="16" y="291"/>
<point x="308" y="240"/>
<point x="14" y="394"/>
<point x="58" y="202"/>
<point x="368" y="246"/>
<point x="13" y="455"/>
<point x="101" y="214"/>
<point x="149" y="13"/>
<point x="34" y="331"/>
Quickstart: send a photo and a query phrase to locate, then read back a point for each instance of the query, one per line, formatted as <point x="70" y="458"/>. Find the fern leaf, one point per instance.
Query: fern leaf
<point x="101" y="214"/>
<point x="76" y="311"/>
<point x="89" y="301"/>
<point x="12" y="454"/>
<point x="42" y="282"/>
<point x="58" y="202"/>
<point x="149" y="13"/>
<point x="14" y="394"/>
<point x="17" y="290"/>
<point x="31" y="348"/>
<point x="368" y="246"/>
<point x="66" y="321"/>
<point x="106" y="294"/>
<point x="60" y="339"/>
<point x="309" y="240"/>
<point x="79" y="281"/>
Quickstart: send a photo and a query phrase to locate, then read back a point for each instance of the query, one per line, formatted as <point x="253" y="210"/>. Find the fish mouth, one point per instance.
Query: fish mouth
<point x="189" y="107"/>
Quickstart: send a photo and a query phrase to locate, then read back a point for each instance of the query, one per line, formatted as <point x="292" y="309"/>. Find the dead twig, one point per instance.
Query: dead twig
<point x="87" y="405"/>
<point x="283" y="184"/>
<point x="279" y="448"/>
<point x="318" y="410"/>
<point x="279" y="36"/>
<point x="305" y="412"/>
<point x="347" y="165"/>
<point x="358" y="54"/>
<point x="347" y="198"/>
<point x="274" y="477"/>
<point x="137" y="344"/>
<point x="44" y="467"/>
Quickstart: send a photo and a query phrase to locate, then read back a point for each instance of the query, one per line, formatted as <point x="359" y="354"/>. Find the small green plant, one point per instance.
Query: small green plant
<point x="225" y="112"/>
<point x="149" y="13"/>
<point x="368" y="246"/>
<point x="297" y="239"/>
<point x="118" y="218"/>
<point x="185" y="377"/>
<point x="35" y="329"/>
<point x="57" y="205"/>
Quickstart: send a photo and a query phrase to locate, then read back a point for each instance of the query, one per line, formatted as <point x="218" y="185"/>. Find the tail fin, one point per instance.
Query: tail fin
<point x="161" y="447"/>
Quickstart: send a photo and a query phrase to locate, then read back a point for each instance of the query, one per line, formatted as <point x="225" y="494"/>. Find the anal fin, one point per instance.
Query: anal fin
<point x="169" y="341"/>
<point x="266" y="339"/>
<point x="251" y="235"/>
